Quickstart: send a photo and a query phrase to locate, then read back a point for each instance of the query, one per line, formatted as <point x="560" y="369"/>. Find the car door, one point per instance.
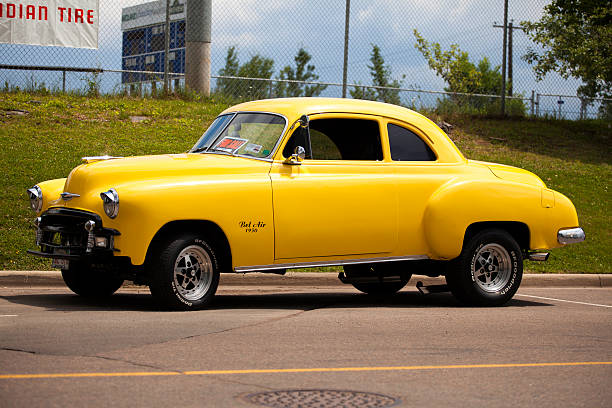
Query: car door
<point x="419" y="174"/>
<point x="342" y="201"/>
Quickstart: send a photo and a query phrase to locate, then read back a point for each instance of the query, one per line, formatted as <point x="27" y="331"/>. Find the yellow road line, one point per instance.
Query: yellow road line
<point x="297" y="370"/>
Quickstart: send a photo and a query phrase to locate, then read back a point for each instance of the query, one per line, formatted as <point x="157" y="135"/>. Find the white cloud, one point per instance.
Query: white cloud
<point x="276" y="29"/>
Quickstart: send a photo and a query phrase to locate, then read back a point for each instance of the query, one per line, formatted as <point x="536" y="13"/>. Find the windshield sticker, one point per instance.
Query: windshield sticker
<point x="230" y="144"/>
<point x="253" y="148"/>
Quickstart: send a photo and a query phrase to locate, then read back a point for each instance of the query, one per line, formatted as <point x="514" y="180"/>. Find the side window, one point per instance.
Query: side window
<point x="345" y="139"/>
<point x="298" y="138"/>
<point x="323" y="148"/>
<point x="407" y="146"/>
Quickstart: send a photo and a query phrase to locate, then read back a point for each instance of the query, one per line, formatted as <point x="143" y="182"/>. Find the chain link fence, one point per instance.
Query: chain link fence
<point x="279" y="49"/>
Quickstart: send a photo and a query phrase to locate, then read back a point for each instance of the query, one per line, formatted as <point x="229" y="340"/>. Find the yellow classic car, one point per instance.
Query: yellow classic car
<point x="295" y="183"/>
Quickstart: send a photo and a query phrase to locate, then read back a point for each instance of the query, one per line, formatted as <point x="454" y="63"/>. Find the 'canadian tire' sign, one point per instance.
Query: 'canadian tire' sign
<point x="63" y="23"/>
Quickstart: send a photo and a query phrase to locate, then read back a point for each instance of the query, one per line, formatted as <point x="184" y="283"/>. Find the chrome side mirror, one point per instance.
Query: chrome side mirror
<point x="304" y="121"/>
<point x="299" y="154"/>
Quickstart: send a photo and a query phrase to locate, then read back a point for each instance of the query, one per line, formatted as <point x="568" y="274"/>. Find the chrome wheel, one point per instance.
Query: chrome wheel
<point x="193" y="273"/>
<point x="491" y="267"/>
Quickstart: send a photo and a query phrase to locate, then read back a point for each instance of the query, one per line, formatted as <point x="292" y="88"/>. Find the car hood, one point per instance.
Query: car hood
<point x="89" y="180"/>
<point x="511" y="173"/>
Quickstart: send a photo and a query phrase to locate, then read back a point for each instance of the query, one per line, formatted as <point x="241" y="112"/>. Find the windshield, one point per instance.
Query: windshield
<point x="248" y="134"/>
<point x="212" y="132"/>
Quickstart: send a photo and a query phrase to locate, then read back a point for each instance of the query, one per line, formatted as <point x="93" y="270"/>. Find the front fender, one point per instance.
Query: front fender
<point x="51" y="190"/>
<point x="241" y="208"/>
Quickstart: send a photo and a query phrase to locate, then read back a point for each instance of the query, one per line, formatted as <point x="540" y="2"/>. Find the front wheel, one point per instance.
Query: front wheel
<point x="185" y="273"/>
<point x="84" y="281"/>
<point x="489" y="270"/>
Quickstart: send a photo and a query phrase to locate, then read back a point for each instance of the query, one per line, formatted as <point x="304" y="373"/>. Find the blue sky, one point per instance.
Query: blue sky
<point x="276" y="29"/>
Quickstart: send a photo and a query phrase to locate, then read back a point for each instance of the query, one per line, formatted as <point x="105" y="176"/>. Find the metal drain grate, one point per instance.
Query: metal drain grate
<point x="320" y="399"/>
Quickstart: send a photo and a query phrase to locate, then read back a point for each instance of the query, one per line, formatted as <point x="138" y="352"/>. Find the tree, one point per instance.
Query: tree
<point x="455" y="68"/>
<point x="363" y="92"/>
<point x="224" y="85"/>
<point x="256" y="67"/>
<point x="381" y="77"/>
<point x="463" y="76"/>
<point x="576" y="37"/>
<point x="302" y="72"/>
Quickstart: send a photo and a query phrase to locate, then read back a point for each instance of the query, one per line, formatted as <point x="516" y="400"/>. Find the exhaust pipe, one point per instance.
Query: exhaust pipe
<point x="538" y="256"/>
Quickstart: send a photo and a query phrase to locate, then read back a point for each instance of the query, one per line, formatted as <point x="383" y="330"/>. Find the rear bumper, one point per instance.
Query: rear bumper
<point x="570" y="236"/>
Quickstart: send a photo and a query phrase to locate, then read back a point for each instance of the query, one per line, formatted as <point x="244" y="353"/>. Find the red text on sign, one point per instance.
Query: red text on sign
<point x="69" y="14"/>
<point x="28" y="12"/>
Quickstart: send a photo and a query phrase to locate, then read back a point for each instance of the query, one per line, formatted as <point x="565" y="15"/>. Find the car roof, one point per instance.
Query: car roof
<point x="293" y="108"/>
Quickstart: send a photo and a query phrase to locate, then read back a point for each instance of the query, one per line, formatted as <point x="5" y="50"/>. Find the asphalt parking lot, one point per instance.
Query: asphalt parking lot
<point x="548" y="347"/>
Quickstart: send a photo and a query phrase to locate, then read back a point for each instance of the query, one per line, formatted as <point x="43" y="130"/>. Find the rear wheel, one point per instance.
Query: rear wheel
<point x="91" y="283"/>
<point x="185" y="273"/>
<point x="376" y="279"/>
<point x="489" y="270"/>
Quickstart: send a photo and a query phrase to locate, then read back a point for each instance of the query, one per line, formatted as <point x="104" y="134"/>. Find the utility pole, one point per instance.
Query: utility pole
<point x="346" y="44"/>
<point x="503" y="90"/>
<point x="197" y="46"/>
<point x="511" y="28"/>
<point x="167" y="49"/>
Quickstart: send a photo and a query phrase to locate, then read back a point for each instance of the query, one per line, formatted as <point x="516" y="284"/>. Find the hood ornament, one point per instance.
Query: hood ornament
<point x="93" y="159"/>
<point x="66" y="196"/>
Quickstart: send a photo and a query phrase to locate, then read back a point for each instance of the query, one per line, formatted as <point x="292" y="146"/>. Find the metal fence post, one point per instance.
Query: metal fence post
<point x="504" y="53"/>
<point x="346" y="43"/>
<point x="64" y="81"/>
<point x="532" y="101"/>
<point x="537" y="105"/>
<point x="167" y="49"/>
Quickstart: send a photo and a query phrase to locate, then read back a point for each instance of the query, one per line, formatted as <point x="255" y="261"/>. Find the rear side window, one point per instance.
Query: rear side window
<point x="407" y="145"/>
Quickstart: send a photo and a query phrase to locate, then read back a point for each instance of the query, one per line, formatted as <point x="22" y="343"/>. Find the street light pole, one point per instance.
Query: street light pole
<point x="197" y="46"/>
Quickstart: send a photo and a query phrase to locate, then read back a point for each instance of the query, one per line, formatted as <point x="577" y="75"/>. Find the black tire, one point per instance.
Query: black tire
<point x="489" y="270"/>
<point x="184" y="273"/>
<point x="379" y="271"/>
<point x="90" y="283"/>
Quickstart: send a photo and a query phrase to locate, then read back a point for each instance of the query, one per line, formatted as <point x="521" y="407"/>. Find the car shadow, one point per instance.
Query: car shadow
<point x="125" y="301"/>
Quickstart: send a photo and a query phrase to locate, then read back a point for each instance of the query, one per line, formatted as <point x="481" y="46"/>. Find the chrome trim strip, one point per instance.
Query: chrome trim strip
<point x="92" y="159"/>
<point x="329" y="263"/>
<point x="570" y="236"/>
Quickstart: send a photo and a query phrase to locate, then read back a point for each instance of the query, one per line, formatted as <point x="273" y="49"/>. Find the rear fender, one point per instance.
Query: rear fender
<point x="456" y="206"/>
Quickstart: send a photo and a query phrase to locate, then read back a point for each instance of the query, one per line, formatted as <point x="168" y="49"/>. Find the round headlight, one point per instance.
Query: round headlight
<point x="36" y="198"/>
<point x="110" y="199"/>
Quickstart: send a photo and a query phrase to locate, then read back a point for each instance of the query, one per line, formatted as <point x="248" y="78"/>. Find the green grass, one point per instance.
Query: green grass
<point x="573" y="158"/>
<point x="48" y="141"/>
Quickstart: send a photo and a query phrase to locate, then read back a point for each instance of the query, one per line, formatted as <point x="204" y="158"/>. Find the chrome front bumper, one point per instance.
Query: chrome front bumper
<point x="570" y="236"/>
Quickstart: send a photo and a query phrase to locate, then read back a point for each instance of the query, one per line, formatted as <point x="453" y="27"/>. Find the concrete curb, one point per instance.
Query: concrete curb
<point x="31" y="279"/>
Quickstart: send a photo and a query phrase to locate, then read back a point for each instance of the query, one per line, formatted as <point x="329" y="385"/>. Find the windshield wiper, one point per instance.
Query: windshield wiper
<point x="199" y="149"/>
